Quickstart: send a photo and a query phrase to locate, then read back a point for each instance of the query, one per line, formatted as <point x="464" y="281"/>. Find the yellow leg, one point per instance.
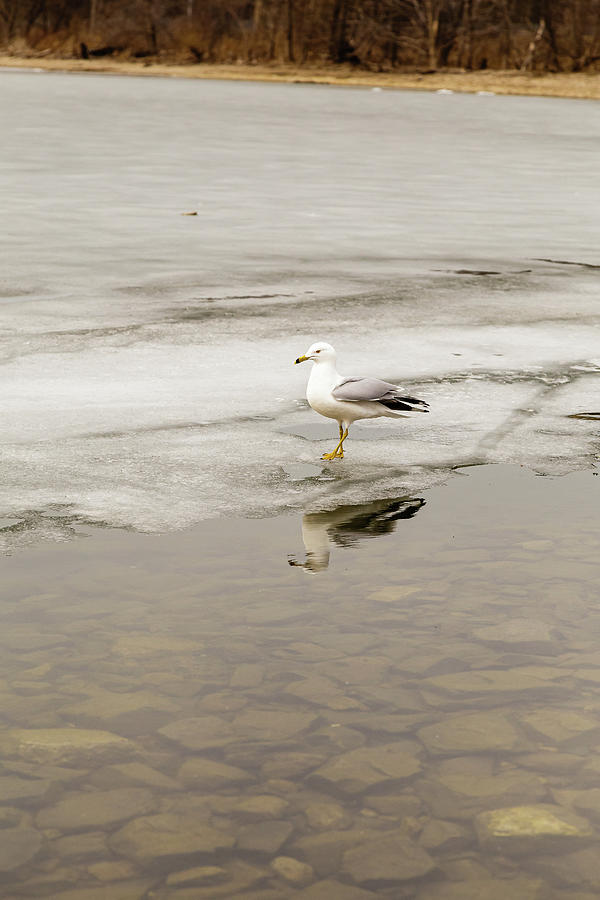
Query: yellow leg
<point x="338" y="453"/>
<point x="334" y="453"/>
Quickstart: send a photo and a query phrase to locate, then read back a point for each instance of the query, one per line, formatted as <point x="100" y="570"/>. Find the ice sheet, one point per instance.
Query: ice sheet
<point x="147" y="375"/>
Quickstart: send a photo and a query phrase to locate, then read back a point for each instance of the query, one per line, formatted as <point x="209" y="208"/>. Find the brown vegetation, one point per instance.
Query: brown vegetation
<point x="377" y="35"/>
<point x="549" y="84"/>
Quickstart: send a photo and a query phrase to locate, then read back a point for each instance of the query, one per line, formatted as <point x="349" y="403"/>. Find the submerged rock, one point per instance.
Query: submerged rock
<point x="395" y="594"/>
<point x="27" y="638"/>
<point x="66" y="746"/>
<point x="389" y="859"/>
<point x="442" y="836"/>
<point x="206" y="774"/>
<point x="264" y="838"/>
<point x="522" y="635"/>
<point x="10" y="816"/>
<point x="379" y="724"/>
<point x="490" y="681"/>
<point x="143" y="646"/>
<point x="256" y="808"/>
<point x="134" y="889"/>
<point x="396" y="805"/>
<point x="156" y="839"/>
<point x="459" y="796"/>
<point x="580" y="869"/>
<point x="323" y="815"/>
<point x="470" y="733"/>
<point x="199" y="733"/>
<point x="324" y="850"/>
<point x="550" y="761"/>
<point x="247" y="675"/>
<point x="291" y="765"/>
<point x="359" y="670"/>
<point x="322" y="692"/>
<point x="131" y="712"/>
<point x="112" y="870"/>
<point x="519" y="888"/>
<point x="536" y="829"/>
<point x="335" y="738"/>
<point x="222" y="702"/>
<point x="42" y="879"/>
<point x="271" y="724"/>
<point x="23" y="790"/>
<point x="49" y="773"/>
<point x="91" y="845"/>
<point x="18" y="846"/>
<point x="240" y="878"/>
<point x="483" y="786"/>
<point x="292" y="870"/>
<point x="365" y="768"/>
<point x="137" y="773"/>
<point x="585" y="802"/>
<point x="199" y="875"/>
<point x="561" y="725"/>
<point x="83" y="810"/>
<point x="331" y="889"/>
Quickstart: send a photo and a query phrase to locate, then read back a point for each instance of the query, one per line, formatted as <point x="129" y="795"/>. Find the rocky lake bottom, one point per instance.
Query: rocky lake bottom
<point x="409" y="709"/>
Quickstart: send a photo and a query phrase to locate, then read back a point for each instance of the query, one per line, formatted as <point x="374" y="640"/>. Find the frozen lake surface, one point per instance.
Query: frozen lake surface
<point x="446" y="242"/>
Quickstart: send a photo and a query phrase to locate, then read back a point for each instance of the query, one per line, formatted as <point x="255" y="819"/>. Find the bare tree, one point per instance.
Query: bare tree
<point x="533" y="44"/>
<point x="540" y="34"/>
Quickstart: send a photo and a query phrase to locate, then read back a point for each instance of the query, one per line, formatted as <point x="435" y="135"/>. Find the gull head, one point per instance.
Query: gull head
<point x="319" y="353"/>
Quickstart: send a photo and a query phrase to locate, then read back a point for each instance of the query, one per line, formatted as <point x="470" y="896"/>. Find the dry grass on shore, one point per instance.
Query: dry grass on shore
<point x="574" y="85"/>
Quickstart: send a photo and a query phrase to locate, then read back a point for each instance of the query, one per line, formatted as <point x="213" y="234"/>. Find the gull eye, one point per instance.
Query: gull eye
<point x="317" y="351"/>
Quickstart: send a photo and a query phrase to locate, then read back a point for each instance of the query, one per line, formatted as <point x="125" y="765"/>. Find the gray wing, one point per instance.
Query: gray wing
<point x="360" y="389"/>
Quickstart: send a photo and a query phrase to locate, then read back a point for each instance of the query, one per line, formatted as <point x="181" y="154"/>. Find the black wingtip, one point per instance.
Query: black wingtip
<point x="407" y="404"/>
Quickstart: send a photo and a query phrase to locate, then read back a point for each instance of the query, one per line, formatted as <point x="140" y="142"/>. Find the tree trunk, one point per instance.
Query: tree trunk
<point x="530" y="55"/>
<point x="257" y="15"/>
<point x="154" y="38"/>
<point x="468" y="30"/>
<point x="337" y="44"/>
<point x="548" y="15"/>
<point x="290" y="30"/>
<point x="432" y="43"/>
<point x="507" y="35"/>
<point x="432" y="27"/>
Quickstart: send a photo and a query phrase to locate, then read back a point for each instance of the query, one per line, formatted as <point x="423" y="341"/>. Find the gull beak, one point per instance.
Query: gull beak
<point x="301" y="359"/>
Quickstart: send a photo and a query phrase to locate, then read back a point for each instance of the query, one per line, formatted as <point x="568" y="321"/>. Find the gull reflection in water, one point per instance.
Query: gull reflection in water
<point x="348" y="525"/>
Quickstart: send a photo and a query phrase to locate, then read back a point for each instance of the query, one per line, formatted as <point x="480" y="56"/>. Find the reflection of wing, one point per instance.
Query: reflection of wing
<point x="347" y="525"/>
<point x="358" y="390"/>
<point x="374" y="519"/>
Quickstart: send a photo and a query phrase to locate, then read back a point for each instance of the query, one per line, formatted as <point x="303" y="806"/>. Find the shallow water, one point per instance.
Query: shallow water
<point x="359" y="718"/>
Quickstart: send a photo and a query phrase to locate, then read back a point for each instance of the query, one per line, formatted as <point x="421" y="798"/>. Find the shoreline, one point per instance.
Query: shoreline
<point x="566" y="85"/>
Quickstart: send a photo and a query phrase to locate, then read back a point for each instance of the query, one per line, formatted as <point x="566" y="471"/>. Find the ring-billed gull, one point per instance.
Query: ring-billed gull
<point x="348" y="399"/>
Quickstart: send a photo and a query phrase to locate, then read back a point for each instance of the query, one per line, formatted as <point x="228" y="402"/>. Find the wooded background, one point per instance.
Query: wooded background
<point x="534" y="35"/>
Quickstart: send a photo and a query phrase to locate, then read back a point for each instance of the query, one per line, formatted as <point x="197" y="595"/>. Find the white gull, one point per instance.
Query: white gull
<point x="347" y="399"/>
